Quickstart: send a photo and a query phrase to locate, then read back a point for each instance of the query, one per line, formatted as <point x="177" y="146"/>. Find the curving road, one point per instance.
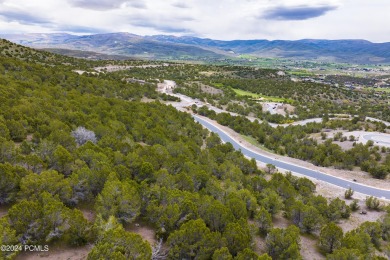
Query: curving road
<point x="378" y="138"/>
<point x="368" y="190"/>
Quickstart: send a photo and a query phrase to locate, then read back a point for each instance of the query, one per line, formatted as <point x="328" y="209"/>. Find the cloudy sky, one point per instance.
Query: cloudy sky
<point x="217" y="19"/>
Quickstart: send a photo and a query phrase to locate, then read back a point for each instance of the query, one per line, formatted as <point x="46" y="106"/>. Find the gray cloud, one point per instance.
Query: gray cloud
<point x="78" y="29"/>
<point x="22" y="17"/>
<point x="102" y="5"/>
<point x="29" y="19"/>
<point x="139" y="5"/>
<point x="165" y="28"/>
<point x="161" y="22"/>
<point x="301" y="12"/>
<point x="181" y="5"/>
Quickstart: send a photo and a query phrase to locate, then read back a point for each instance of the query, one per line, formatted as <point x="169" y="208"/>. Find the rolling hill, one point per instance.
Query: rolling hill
<point x="193" y="48"/>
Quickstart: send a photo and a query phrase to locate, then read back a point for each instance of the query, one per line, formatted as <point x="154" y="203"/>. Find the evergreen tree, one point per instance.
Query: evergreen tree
<point x="345" y="254"/>
<point x="32" y="185"/>
<point x="119" y="199"/>
<point x="330" y="237"/>
<point x="194" y="241"/>
<point x="222" y="254"/>
<point x="237" y="236"/>
<point x="283" y="243"/>
<point x="264" y="220"/>
<point x="8" y="237"/>
<point x="116" y="243"/>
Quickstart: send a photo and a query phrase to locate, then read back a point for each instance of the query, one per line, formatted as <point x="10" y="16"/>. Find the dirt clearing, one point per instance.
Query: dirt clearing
<point x="210" y="90"/>
<point x="58" y="253"/>
<point x="3" y="211"/>
<point x="145" y="231"/>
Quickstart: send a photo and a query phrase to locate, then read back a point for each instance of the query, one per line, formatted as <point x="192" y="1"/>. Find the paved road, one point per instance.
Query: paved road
<point x="371" y="191"/>
<point x="378" y="139"/>
<point x="377" y="120"/>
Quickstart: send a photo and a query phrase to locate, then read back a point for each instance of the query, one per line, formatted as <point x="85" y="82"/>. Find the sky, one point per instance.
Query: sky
<point x="216" y="19"/>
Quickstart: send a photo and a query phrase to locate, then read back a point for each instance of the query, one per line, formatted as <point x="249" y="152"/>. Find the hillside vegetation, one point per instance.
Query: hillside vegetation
<point x="70" y="141"/>
<point x="310" y="99"/>
<point x="191" y="48"/>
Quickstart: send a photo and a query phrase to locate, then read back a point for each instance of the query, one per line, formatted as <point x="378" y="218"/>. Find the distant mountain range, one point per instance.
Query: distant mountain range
<point x="171" y="47"/>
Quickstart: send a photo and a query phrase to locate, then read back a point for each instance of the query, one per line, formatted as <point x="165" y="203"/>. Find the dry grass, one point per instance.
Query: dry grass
<point x="3" y="210"/>
<point x="88" y="214"/>
<point x="357" y="219"/>
<point x="280" y="222"/>
<point x="309" y="249"/>
<point x="144" y="230"/>
<point x="58" y="253"/>
<point x="211" y="90"/>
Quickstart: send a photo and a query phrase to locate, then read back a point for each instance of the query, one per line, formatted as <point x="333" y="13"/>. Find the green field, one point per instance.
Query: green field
<point x="241" y="92"/>
<point x="254" y="142"/>
<point x="387" y="90"/>
<point x="301" y="73"/>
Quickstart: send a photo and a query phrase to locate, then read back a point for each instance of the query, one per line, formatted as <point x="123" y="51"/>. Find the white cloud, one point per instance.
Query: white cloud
<point x="103" y="5"/>
<point x="230" y="19"/>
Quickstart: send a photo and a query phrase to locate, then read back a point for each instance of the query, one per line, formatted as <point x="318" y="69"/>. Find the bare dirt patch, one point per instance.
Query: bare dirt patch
<point x="147" y="100"/>
<point x="345" y="145"/>
<point x="356" y="219"/>
<point x="80" y="72"/>
<point x="259" y="245"/>
<point x="87" y="208"/>
<point x="258" y="240"/>
<point x="309" y="248"/>
<point x="379" y="139"/>
<point x="58" y="253"/>
<point x="145" y="231"/>
<point x="3" y="210"/>
<point x="207" y="73"/>
<point x="166" y="86"/>
<point x="210" y="90"/>
<point x="280" y="222"/>
<point x="88" y="214"/>
<point x="278" y="108"/>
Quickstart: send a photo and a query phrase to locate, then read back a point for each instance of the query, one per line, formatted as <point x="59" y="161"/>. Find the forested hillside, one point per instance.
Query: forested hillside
<point x="70" y="142"/>
<point x="192" y="48"/>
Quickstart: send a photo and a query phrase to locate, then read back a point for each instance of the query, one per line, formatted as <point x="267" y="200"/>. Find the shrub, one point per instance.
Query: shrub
<point x="83" y="135"/>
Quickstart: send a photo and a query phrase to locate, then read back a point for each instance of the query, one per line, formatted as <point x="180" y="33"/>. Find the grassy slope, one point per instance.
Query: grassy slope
<point x="266" y="98"/>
